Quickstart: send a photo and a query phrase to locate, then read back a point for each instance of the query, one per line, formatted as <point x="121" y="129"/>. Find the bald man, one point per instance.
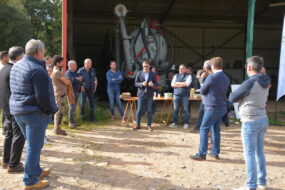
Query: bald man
<point x="89" y="87"/>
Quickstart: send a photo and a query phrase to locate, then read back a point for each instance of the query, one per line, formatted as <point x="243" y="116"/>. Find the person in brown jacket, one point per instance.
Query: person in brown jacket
<point x="60" y="84"/>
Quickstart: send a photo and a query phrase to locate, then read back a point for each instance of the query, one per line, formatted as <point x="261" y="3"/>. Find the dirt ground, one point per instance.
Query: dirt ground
<point x="114" y="157"/>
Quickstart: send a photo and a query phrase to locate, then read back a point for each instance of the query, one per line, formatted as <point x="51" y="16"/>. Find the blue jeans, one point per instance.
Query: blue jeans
<point x="253" y="146"/>
<point x="144" y="105"/>
<point x="90" y="95"/>
<point x="201" y="114"/>
<point x="33" y="126"/>
<point x="177" y="101"/>
<point x="212" y="120"/>
<point x="114" y="97"/>
<point x="72" y="109"/>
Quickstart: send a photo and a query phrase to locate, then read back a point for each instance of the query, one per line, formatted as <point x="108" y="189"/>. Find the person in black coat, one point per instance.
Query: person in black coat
<point x="14" y="139"/>
<point x="145" y="82"/>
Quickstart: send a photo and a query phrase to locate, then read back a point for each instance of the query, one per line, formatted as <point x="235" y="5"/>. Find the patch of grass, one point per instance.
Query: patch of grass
<point x="272" y="121"/>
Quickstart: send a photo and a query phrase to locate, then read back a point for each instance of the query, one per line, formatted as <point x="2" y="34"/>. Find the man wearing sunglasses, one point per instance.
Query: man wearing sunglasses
<point x="145" y="82"/>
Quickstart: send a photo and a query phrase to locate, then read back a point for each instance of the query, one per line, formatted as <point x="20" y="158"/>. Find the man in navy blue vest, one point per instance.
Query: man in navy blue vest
<point x="145" y="82"/>
<point x="181" y="84"/>
<point x="31" y="105"/>
<point x="215" y="91"/>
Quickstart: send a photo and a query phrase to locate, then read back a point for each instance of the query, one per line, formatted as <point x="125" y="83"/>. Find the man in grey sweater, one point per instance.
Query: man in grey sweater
<point x="252" y="97"/>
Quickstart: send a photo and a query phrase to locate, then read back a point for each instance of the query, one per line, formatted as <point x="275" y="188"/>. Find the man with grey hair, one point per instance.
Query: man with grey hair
<point x="89" y="87"/>
<point x="30" y="103"/>
<point x="14" y="140"/>
<point x="252" y="97"/>
<point x="76" y="81"/>
<point x="206" y="71"/>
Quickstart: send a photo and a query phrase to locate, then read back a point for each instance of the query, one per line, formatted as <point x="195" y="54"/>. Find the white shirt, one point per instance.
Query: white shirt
<point x="1" y="66"/>
<point x="188" y="80"/>
<point x="146" y="75"/>
<point x="216" y="71"/>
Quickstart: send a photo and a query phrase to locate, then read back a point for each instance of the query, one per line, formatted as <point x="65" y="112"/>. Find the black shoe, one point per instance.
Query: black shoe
<point x="18" y="169"/>
<point x="214" y="156"/>
<point x="198" y="157"/>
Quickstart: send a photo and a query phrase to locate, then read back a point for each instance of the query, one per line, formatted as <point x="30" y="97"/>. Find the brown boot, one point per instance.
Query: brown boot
<point x="45" y="173"/>
<point x="137" y="127"/>
<point x="4" y="165"/>
<point x="59" y="132"/>
<point x="41" y="184"/>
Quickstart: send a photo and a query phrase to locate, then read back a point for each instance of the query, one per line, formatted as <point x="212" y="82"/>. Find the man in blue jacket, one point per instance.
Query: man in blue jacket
<point x="145" y="82"/>
<point x="215" y="91"/>
<point x="252" y="97"/>
<point x="76" y="81"/>
<point x="14" y="140"/>
<point x="89" y="87"/>
<point x="114" y="79"/>
<point x="30" y="103"/>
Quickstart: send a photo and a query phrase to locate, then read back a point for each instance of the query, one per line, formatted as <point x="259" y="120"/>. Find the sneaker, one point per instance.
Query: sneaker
<point x="198" y="157"/>
<point x="186" y="126"/>
<point x="172" y="125"/>
<point x="149" y="128"/>
<point x="244" y="188"/>
<point x="41" y="184"/>
<point x="113" y="117"/>
<point x="261" y="187"/>
<point x="212" y="155"/>
<point x="72" y="126"/>
<point x="18" y="169"/>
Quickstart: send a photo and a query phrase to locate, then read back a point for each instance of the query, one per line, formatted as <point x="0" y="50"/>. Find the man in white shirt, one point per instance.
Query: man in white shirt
<point x="181" y="84"/>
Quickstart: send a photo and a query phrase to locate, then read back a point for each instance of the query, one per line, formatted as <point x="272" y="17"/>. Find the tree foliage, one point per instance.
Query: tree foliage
<point x="45" y="16"/>
<point x="39" y="19"/>
<point x="15" y="28"/>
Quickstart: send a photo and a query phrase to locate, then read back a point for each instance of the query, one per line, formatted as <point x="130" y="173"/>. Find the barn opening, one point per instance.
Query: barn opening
<point x="200" y="29"/>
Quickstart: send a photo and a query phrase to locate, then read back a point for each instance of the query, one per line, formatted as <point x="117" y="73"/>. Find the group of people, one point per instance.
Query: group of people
<point x="33" y="89"/>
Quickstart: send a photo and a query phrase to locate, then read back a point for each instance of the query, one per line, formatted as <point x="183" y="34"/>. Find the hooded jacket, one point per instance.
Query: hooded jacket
<point x="252" y="97"/>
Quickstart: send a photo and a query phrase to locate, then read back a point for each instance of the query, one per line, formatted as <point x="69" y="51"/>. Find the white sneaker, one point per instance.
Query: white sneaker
<point x="261" y="187"/>
<point x="186" y="126"/>
<point x="173" y="125"/>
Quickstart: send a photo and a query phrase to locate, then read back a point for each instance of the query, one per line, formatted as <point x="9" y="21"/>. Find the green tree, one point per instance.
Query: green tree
<point x="45" y="16"/>
<point x="15" y="29"/>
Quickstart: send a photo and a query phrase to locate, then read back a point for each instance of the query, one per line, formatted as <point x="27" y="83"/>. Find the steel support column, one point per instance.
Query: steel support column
<point x="249" y="30"/>
<point x="64" y="34"/>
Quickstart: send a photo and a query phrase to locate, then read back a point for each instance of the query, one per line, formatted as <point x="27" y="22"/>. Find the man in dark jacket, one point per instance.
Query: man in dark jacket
<point x="89" y="87"/>
<point x="252" y="96"/>
<point x="14" y="139"/>
<point x="145" y="82"/>
<point x="76" y="81"/>
<point x="30" y="103"/>
<point x="215" y="91"/>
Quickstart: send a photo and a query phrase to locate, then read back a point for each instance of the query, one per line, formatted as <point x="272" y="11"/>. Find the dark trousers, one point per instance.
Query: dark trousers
<point x="14" y="141"/>
<point x="90" y="95"/>
<point x="144" y="105"/>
